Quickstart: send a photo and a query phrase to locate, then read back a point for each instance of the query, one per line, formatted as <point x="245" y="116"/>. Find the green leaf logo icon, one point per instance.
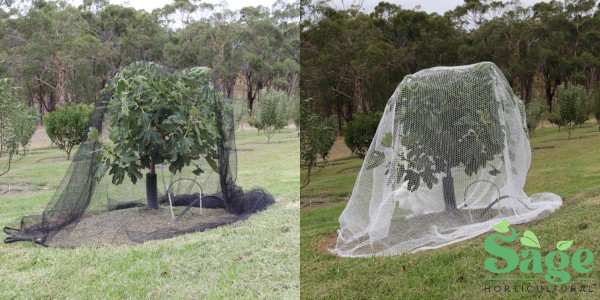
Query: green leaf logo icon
<point x="530" y="240"/>
<point x="563" y="245"/>
<point x="501" y="227"/>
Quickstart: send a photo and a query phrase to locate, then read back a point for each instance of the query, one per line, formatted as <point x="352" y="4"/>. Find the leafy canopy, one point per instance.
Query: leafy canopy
<point x="17" y="122"/>
<point x="67" y="125"/>
<point x="359" y="133"/>
<point x="316" y="138"/>
<point x="443" y="130"/>
<point x="573" y="102"/>
<point x="273" y="112"/>
<point x="159" y="117"/>
<point x="535" y="111"/>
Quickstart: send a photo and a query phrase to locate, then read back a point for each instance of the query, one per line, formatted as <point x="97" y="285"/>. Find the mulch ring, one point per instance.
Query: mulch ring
<point x="136" y="225"/>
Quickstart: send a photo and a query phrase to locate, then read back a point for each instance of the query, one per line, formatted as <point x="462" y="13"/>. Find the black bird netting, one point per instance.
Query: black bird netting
<point x="88" y="209"/>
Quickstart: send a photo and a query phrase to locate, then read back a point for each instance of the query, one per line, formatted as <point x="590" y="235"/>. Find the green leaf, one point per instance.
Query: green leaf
<point x="128" y="157"/>
<point x="213" y="164"/>
<point x="530" y="240"/>
<point x="502" y="227"/>
<point x="564" y="245"/>
<point x="386" y="141"/>
<point x="376" y="159"/>
<point x="93" y="134"/>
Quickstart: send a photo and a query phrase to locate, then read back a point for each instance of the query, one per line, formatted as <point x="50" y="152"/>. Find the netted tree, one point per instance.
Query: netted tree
<point x="449" y="157"/>
<point x="159" y="117"/>
<point x="441" y="133"/>
<point x="151" y="119"/>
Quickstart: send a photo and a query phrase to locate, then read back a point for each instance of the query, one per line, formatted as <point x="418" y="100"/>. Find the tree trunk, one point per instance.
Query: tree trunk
<point x="152" y="188"/>
<point x="448" y="185"/>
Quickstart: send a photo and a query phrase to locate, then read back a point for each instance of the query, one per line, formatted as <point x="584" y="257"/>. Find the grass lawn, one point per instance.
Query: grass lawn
<point x="569" y="168"/>
<point x="257" y="258"/>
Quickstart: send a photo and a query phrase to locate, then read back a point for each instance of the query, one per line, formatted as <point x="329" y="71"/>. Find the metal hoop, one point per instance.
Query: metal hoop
<point x="179" y="181"/>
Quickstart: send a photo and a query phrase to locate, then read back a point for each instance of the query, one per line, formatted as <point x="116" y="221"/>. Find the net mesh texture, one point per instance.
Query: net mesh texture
<point x="449" y="159"/>
<point x="86" y="211"/>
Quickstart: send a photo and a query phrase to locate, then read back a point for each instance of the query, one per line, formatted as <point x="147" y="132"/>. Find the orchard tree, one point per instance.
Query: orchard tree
<point x="273" y="112"/>
<point x="316" y="139"/>
<point x="67" y="125"/>
<point x="535" y="111"/>
<point x="240" y="111"/>
<point x="159" y="117"/>
<point x="17" y="122"/>
<point x="572" y="100"/>
<point x="595" y="97"/>
<point x="254" y="118"/>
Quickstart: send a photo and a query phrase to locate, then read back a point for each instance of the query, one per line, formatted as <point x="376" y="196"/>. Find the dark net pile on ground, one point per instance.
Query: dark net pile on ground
<point x="85" y="211"/>
<point x="449" y="159"/>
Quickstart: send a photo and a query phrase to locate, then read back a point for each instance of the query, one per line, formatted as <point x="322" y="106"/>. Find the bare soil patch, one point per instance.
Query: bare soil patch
<point x="349" y="170"/>
<point x="121" y="226"/>
<point x="543" y="147"/>
<point x="276" y="142"/>
<point x="53" y="159"/>
<point x="314" y="203"/>
<point x="339" y="149"/>
<point x="325" y="243"/>
<point x="21" y="189"/>
<point x="40" y="139"/>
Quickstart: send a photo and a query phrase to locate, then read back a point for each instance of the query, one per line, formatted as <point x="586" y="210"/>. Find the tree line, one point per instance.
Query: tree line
<point x="58" y="53"/>
<point x="352" y="61"/>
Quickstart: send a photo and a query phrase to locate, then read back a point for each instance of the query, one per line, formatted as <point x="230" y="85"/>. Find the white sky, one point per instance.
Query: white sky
<point x="438" y="6"/>
<point x="149" y="5"/>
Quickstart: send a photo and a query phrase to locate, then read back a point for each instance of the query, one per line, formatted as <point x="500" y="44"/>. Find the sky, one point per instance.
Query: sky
<point x="149" y="5"/>
<point x="438" y="6"/>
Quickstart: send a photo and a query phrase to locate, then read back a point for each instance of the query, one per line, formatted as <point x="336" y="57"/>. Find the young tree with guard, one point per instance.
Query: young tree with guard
<point x="159" y="117"/>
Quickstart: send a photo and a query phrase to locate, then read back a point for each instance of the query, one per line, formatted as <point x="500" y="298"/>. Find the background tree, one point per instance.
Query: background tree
<point x="573" y="106"/>
<point x="352" y="61"/>
<point x="67" y="125"/>
<point x="273" y="112"/>
<point x="535" y="111"/>
<point x="17" y="123"/>
<point x="595" y="98"/>
<point x="316" y="139"/>
<point x="59" y="53"/>
<point x="359" y="133"/>
<point x="240" y="111"/>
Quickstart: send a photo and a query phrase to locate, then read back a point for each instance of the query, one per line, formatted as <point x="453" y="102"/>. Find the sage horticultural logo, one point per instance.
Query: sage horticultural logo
<point x="531" y="265"/>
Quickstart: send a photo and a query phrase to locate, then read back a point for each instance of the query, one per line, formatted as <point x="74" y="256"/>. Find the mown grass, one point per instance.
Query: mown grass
<point x="257" y="258"/>
<point x="569" y="168"/>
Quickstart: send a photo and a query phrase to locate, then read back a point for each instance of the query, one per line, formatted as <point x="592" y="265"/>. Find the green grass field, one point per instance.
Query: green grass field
<point x="257" y="258"/>
<point x="570" y="169"/>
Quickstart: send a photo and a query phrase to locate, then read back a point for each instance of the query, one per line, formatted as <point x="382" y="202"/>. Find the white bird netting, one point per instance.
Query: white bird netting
<point x="449" y="159"/>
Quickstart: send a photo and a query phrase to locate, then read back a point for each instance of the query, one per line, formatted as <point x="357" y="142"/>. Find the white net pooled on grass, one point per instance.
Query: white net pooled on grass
<point x="449" y="159"/>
